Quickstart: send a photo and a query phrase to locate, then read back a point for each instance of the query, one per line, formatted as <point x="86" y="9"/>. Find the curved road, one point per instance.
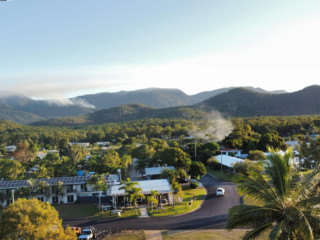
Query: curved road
<point x="212" y="214"/>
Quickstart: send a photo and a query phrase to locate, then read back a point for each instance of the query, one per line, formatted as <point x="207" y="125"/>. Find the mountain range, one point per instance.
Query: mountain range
<point x="22" y="109"/>
<point x="160" y="103"/>
<point x="238" y="102"/>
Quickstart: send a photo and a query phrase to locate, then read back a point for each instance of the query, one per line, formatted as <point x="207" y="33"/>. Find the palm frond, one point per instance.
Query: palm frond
<point x="255" y="233"/>
<point x="247" y="215"/>
<point x="299" y="223"/>
<point x="276" y="231"/>
<point x="306" y="188"/>
<point x="257" y="187"/>
<point x="279" y="169"/>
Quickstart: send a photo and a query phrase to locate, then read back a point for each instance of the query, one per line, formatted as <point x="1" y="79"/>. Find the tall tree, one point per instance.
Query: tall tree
<point x="134" y="194"/>
<point x="127" y="187"/>
<point x="287" y="202"/>
<point x="152" y="199"/>
<point x="32" y="219"/>
<point x="99" y="184"/>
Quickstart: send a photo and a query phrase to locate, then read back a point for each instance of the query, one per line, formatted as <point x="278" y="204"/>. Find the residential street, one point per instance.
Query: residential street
<point x="212" y="214"/>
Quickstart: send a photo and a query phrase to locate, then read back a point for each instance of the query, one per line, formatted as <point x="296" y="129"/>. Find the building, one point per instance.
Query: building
<point x="103" y="144"/>
<point x="10" y="149"/>
<point x="156" y="172"/>
<point x="228" y="161"/>
<point x="73" y="188"/>
<point x="85" y="144"/>
<point x="161" y="185"/>
<point x="234" y="153"/>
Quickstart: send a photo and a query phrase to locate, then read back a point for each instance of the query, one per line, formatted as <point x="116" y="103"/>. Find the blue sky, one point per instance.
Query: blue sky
<point x="56" y="49"/>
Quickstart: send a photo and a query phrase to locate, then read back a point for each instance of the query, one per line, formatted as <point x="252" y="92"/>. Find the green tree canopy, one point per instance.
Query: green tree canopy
<point x="197" y="170"/>
<point x="32" y="219"/>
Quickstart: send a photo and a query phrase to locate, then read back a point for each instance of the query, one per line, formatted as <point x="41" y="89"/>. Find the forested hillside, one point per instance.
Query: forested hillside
<point x="245" y="103"/>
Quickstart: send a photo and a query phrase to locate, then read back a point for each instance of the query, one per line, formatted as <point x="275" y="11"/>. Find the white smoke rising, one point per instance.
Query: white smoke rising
<point x="68" y="102"/>
<point x="218" y="127"/>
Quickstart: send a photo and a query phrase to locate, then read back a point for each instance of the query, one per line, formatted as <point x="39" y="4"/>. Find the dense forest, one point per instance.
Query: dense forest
<point x="152" y="141"/>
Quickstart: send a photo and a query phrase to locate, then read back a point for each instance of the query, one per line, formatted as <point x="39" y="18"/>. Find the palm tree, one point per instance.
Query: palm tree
<point x="152" y="199"/>
<point x="32" y="183"/>
<point x="99" y="185"/>
<point x="135" y="194"/>
<point x="59" y="190"/>
<point x="44" y="189"/>
<point x="127" y="186"/>
<point x="289" y="202"/>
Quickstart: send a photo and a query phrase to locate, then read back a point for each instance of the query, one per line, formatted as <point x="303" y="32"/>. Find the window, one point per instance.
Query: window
<point x="70" y="199"/>
<point x="55" y="200"/>
<point x="41" y="199"/>
<point x="70" y="188"/>
<point x="83" y="188"/>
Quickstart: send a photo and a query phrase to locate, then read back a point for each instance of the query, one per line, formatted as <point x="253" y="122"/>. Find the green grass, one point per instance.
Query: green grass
<point x="137" y="235"/>
<point x="220" y="234"/>
<point x="223" y="176"/>
<point x="89" y="210"/>
<point x="77" y="210"/>
<point x="183" y="207"/>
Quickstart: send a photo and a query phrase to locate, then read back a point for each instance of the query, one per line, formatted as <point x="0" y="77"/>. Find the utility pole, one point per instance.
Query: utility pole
<point x="195" y="150"/>
<point x="12" y="192"/>
<point x="221" y="163"/>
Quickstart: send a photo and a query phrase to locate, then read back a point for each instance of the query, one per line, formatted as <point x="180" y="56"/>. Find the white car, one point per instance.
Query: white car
<point x="86" y="234"/>
<point x="220" y="191"/>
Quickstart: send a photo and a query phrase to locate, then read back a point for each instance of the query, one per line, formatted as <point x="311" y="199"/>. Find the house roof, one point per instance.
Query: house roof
<point x="228" y="160"/>
<point x="160" y="185"/>
<point x="157" y="170"/>
<point x="51" y="181"/>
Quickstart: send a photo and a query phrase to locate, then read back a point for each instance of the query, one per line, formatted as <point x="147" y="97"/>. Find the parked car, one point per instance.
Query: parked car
<point x="107" y="207"/>
<point x="87" y="233"/>
<point x="220" y="191"/>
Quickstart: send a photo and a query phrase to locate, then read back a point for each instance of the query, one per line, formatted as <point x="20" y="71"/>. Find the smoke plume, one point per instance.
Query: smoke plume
<point x="217" y="127"/>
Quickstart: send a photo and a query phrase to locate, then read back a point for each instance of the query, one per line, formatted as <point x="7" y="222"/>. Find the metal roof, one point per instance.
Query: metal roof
<point x="50" y="181"/>
<point x="157" y="170"/>
<point x="228" y="160"/>
<point x="160" y="185"/>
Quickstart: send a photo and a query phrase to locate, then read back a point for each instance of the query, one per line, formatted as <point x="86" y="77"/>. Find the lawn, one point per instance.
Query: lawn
<point x="77" y="210"/>
<point x="220" y="234"/>
<point x="89" y="210"/>
<point x="187" y="196"/>
<point x="223" y="176"/>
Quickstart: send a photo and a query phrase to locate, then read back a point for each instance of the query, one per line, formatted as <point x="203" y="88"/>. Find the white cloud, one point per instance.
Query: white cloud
<point x="287" y="59"/>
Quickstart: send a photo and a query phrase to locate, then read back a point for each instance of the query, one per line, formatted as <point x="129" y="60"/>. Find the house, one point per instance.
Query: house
<point x="161" y="185"/>
<point x="228" y="161"/>
<point x="233" y="153"/>
<point x="103" y="144"/>
<point x="53" y="152"/>
<point x="84" y="144"/>
<point x="156" y="172"/>
<point x="10" y="149"/>
<point x="73" y="189"/>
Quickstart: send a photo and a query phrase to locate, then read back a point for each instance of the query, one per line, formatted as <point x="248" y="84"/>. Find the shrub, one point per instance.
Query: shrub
<point x="194" y="185"/>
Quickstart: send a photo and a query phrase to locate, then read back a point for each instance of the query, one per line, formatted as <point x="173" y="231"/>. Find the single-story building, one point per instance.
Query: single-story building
<point x="233" y="152"/>
<point x="84" y="144"/>
<point x="228" y="161"/>
<point x="11" y="149"/>
<point x="155" y="172"/>
<point x="161" y="185"/>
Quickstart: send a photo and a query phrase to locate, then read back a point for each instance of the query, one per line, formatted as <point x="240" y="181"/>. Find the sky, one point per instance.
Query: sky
<point x="58" y="49"/>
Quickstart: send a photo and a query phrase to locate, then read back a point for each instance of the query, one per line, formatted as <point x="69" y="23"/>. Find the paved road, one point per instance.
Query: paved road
<point x="212" y="214"/>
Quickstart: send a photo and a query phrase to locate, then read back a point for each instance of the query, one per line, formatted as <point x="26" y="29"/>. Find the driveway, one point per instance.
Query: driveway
<point x="212" y="214"/>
